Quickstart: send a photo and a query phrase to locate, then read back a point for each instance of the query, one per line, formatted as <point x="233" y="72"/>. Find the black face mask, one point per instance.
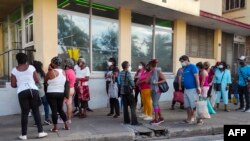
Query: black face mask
<point x="242" y="63"/>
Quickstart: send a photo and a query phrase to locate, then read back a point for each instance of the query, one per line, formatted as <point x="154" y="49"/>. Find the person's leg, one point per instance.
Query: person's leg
<point x="112" y="106"/>
<point x="69" y="104"/>
<point x="125" y="110"/>
<point x="137" y="91"/>
<point x="225" y="98"/>
<point x="53" y="106"/>
<point x="187" y="105"/>
<point x="148" y="102"/>
<point x="218" y="97"/>
<point x="176" y="88"/>
<point x="241" y="93"/>
<point x="117" y="107"/>
<point x="143" y="91"/>
<point x="35" y="109"/>
<point x="132" y="104"/>
<point x="25" y="108"/>
<point x="60" y="99"/>
<point x="46" y="108"/>
<point x="246" y="95"/>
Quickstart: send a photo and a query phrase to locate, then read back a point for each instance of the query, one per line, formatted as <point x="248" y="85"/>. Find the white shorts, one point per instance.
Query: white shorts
<point x="190" y="98"/>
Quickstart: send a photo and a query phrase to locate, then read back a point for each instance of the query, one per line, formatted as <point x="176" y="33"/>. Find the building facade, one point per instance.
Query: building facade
<point x="132" y="30"/>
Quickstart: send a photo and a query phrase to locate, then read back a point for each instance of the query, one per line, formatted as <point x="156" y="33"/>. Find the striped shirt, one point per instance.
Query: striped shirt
<point x="128" y="80"/>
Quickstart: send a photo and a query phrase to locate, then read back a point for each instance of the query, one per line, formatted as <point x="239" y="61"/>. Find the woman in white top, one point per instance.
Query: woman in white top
<point x="82" y="88"/>
<point x="23" y="77"/>
<point x="56" y="79"/>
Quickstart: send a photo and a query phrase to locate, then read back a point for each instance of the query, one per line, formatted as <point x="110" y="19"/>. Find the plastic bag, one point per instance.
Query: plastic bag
<point x="113" y="90"/>
<point x="178" y="96"/>
<point x="213" y="97"/>
<point x="210" y="108"/>
<point x="202" y="110"/>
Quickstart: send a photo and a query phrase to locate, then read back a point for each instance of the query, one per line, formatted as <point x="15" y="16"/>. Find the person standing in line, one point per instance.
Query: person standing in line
<point x="144" y="84"/>
<point x="128" y="99"/>
<point x="41" y="76"/>
<point x="244" y="76"/>
<point x="204" y="79"/>
<point x="56" y="79"/>
<point x="24" y="77"/>
<point x="178" y="86"/>
<point x="156" y="78"/>
<point x="222" y="80"/>
<point x="192" y="87"/>
<point x="141" y="68"/>
<point x="71" y="77"/>
<point x="210" y="71"/>
<point x="112" y="75"/>
<point x="82" y="90"/>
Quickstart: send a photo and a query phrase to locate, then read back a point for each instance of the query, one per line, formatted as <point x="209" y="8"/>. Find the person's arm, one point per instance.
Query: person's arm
<point x="13" y="81"/>
<point x="196" y="75"/>
<point x="229" y="80"/>
<point x="35" y="76"/>
<point x="179" y="82"/>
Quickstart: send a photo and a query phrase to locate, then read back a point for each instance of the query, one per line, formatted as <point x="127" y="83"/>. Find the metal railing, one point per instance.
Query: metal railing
<point x="16" y="49"/>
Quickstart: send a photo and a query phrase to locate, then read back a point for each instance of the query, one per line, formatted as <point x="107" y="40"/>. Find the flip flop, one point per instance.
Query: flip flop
<point x="54" y="130"/>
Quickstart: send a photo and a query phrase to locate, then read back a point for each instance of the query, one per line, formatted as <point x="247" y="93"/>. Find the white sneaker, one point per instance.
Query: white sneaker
<point x="69" y="121"/>
<point x="148" y="118"/>
<point x="30" y="114"/>
<point x="21" y="137"/>
<point x="247" y="111"/>
<point x="142" y="116"/>
<point x="42" y="134"/>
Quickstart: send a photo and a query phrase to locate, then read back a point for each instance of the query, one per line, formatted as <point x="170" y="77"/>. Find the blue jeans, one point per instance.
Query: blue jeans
<point x="45" y="107"/>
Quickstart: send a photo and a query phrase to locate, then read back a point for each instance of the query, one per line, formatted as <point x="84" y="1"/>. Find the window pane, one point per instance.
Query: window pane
<point x="28" y="6"/>
<point x="232" y="3"/>
<point x="242" y="4"/>
<point x="105" y="42"/>
<point x="141" y="40"/>
<point x="227" y="4"/>
<point x="163" y="44"/>
<point x="73" y="35"/>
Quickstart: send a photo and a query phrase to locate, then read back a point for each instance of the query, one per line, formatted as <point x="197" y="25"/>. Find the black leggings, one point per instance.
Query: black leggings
<point x="29" y="99"/>
<point x="55" y="101"/>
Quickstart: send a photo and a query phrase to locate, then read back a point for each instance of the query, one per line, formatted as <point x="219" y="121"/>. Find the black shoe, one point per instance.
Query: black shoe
<point x="110" y="114"/>
<point x="240" y="109"/>
<point x="115" y="116"/>
<point x="89" y="110"/>
<point x="136" y="124"/>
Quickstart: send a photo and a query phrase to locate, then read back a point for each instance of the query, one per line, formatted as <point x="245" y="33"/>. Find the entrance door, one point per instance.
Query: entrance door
<point x="238" y="50"/>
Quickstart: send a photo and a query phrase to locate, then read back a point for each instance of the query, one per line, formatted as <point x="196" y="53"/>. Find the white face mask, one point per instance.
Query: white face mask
<point x="220" y="67"/>
<point x="184" y="64"/>
<point x="110" y="63"/>
<point x="129" y="68"/>
<point x="140" y="67"/>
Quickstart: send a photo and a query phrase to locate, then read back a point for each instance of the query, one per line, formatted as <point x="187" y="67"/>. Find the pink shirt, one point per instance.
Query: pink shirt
<point x="71" y="77"/>
<point x="144" y="75"/>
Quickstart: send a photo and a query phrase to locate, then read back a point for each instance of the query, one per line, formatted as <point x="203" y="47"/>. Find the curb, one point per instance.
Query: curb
<point x="195" y="132"/>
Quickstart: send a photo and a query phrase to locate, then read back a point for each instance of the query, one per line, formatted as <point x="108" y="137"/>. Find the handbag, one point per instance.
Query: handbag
<point x="127" y="88"/>
<point x="66" y="89"/>
<point x="113" y="90"/>
<point x="201" y="109"/>
<point x="163" y="87"/>
<point x="217" y="86"/>
<point x="178" y="96"/>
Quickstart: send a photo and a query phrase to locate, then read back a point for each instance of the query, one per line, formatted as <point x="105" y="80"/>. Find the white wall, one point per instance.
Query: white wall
<point x="9" y="104"/>
<point x="212" y="6"/>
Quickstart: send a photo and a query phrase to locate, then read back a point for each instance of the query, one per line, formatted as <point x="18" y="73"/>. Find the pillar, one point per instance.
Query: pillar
<point x="179" y="46"/>
<point x="1" y="50"/>
<point x="217" y="44"/>
<point x="45" y="30"/>
<point x="124" y="35"/>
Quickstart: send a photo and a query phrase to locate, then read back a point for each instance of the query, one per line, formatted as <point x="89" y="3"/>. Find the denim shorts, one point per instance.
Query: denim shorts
<point x="190" y="98"/>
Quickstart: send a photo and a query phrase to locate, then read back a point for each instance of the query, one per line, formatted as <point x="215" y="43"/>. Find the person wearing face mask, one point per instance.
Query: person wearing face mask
<point x="222" y="80"/>
<point x="112" y="75"/>
<point x="143" y="82"/>
<point x="243" y="78"/>
<point x="141" y="69"/>
<point x="192" y="87"/>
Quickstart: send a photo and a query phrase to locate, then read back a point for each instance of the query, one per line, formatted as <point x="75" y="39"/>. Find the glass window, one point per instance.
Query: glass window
<point x="234" y="4"/>
<point x="164" y="44"/>
<point x="29" y="30"/>
<point x="200" y="42"/>
<point x="141" y="39"/>
<point x="73" y="35"/>
<point x="105" y="42"/>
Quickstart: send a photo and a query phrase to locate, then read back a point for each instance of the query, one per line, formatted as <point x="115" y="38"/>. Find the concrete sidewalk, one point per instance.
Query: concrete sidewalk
<point x="97" y="126"/>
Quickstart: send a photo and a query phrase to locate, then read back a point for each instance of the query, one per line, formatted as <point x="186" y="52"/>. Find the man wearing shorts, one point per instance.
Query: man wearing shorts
<point x="192" y="87"/>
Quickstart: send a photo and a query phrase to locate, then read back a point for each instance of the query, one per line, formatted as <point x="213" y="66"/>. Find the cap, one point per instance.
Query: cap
<point x="242" y="58"/>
